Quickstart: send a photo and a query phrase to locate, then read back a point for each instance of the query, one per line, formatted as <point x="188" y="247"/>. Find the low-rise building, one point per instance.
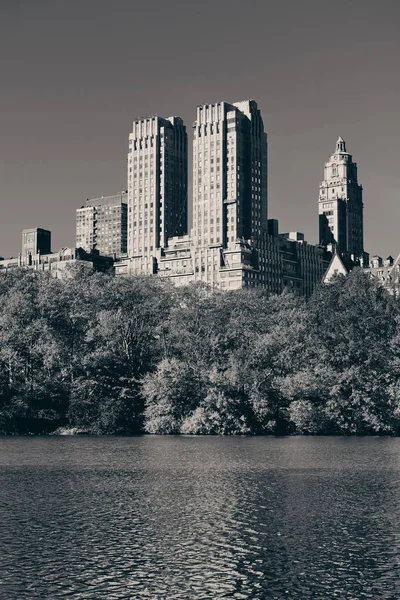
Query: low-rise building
<point x="35" y="241"/>
<point x="57" y="263"/>
<point x="386" y="272"/>
<point x="341" y="264"/>
<point x="272" y="261"/>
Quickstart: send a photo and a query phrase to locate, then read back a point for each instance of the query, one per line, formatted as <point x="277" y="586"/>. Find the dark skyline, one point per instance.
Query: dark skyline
<point x="75" y="74"/>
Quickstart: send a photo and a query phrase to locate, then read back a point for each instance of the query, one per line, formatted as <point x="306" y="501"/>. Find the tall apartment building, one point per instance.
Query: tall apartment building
<point x="157" y="184"/>
<point x="230" y="201"/>
<point x="232" y="243"/>
<point x="229" y="173"/>
<point x="35" y="241"/>
<point x="101" y="224"/>
<point x="340" y="204"/>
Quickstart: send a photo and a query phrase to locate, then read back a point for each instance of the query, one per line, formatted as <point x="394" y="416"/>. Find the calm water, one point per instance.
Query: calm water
<point x="201" y="518"/>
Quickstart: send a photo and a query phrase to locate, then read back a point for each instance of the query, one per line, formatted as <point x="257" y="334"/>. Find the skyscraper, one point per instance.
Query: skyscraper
<point x="157" y="183"/>
<point x="232" y="243"/>
<point x="340" y="204"/>
<point x="229" y="173"/>
<point x="101" y="224"/>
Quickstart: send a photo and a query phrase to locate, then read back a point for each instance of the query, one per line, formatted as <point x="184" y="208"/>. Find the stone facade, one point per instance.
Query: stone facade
<point x="157" y="184"/>
<point x="339" y="265"/>
<point x="232" y="243"/>
<point x="276" y="263"/>
<point x="340" y="204"/>
<point x="386" y="272"/>
<point x="102" y="225"/>
<point x="57" y="262"/>
<point x="35" y="241"/>
<point x="229" y="174"/>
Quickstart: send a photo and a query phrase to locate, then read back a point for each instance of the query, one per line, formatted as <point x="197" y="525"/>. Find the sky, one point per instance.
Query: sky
<point x="74" y="75"/>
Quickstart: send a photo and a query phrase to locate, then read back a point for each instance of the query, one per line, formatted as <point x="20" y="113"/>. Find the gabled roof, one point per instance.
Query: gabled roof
<point x="339" y="265"/>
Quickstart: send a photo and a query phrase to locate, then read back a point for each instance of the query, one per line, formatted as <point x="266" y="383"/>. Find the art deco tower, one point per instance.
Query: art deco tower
<point x="229" y="174"/>
<point x="157" y="183"/>
<point x="340" y="204"/>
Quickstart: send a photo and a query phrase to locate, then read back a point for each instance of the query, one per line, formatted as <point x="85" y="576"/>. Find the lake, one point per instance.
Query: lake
<point x="199" y="517"/>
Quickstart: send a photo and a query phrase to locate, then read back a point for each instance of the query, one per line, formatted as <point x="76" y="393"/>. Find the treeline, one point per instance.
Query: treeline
<point x="123" y="356"/>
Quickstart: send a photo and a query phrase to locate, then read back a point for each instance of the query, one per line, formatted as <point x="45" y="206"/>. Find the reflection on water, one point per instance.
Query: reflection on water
<point x="201" y="518"/>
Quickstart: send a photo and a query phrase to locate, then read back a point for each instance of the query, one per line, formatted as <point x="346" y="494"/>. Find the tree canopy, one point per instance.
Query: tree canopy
<point x="111" y="355"/>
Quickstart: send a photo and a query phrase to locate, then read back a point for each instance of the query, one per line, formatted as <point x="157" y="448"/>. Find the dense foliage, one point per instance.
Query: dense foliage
<point x="106" y="355"/>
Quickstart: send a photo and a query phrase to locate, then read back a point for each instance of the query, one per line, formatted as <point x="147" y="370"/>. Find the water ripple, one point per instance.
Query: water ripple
<point x="202" y="518"/>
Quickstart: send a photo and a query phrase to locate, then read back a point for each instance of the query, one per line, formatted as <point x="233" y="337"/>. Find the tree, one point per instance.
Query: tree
<point x="171" y="394"/>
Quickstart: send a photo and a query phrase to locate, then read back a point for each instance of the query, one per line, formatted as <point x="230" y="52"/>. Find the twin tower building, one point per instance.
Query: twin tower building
<point x="232" y="243"/>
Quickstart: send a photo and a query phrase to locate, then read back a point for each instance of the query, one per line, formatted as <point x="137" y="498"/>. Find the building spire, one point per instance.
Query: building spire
<point x="340" y="145"/>
<point x="340" y="203"/>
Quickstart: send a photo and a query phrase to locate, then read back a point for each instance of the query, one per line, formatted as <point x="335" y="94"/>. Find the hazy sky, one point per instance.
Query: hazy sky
<point x="74" y="74"/>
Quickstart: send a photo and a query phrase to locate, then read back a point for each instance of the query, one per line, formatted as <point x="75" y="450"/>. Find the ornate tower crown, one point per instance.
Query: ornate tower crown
<point x="340" y="203"/>
<point x="340" y="145"/>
